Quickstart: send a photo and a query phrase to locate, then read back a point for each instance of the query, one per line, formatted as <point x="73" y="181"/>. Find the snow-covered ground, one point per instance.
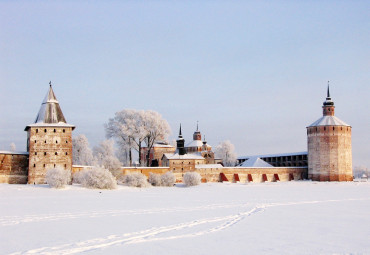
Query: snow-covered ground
<point x="214" y="218"/>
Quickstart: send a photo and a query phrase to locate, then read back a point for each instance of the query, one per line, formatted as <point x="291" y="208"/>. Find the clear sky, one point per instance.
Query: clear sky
<point x="252" y="72"/>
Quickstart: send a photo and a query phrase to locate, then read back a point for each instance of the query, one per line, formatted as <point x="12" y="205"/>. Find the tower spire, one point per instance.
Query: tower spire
<point x="180" y="133"/>
<point x="197" y="125"/>
<point x="328" y="105"/>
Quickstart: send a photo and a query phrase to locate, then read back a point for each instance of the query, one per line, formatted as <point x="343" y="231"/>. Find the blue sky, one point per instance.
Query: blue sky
<point x="252" y="72"/>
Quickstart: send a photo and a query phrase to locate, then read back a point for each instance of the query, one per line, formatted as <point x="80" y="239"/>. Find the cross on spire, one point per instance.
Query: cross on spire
<point x="50" y="83"/>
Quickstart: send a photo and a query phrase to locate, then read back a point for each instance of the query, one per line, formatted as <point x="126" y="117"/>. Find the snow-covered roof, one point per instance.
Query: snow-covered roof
<point x="178" y="156"/>
<point x="208" y="166"/>
<point x="275" y="155"/>
<point x="329" y="121"/>
<point x="14" y="152"/>
<point x="50" y="113"/>
<point x="60" y="124"/>
<point x="195" y="143"/>
<point x="255" y="162"/>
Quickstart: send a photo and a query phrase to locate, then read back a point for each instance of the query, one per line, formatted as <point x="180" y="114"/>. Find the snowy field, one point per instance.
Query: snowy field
<point x="215" y="218"/>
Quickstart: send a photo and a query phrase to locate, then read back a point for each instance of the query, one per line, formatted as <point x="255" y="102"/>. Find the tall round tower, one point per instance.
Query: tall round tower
<point x="329" y="147"/>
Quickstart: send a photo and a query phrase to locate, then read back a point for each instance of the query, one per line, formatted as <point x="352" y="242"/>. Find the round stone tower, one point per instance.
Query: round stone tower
<point x="329" y="147"/>
<point x="49" y="140"/>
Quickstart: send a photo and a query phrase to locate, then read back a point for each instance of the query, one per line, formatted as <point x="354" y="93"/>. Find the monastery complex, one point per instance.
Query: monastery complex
<point x="49" y="145"/>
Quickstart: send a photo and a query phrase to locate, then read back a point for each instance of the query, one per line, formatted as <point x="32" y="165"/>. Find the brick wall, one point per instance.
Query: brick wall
<point x="13" y="168"/>
<point x="329" y="153"/>
<point x="49" y="147"/>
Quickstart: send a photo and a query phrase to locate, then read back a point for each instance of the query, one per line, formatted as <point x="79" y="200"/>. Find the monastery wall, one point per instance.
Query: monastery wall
<point x="217" y="174"/>
<point x="13" y="168"/>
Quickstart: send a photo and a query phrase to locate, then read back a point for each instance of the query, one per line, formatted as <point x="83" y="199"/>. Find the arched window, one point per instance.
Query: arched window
<point x="44" y="153"/>
<point x="55" y="130"/>
<point x="56" y="153"/>
<point x="45" y="130"/>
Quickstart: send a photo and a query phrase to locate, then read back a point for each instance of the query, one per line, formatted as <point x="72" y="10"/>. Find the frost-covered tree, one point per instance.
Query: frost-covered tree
<point x="97" y="178"/>
<point x="156" y="128"/>
<point x="191" y="179"/>
<point x="13" y="147"/>
<point x="130" y="128"/>
<point x="58" y="177"/>
<point x="104" y="155"/>
<point x="226" y="151"/>
<point x="82" y="154"/>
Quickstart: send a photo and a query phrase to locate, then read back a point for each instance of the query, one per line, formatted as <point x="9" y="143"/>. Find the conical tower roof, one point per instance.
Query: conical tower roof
<point x="50" y="113"/>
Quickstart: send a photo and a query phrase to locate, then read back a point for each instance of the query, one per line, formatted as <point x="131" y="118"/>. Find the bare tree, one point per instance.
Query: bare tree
<point x="226" y="151"/>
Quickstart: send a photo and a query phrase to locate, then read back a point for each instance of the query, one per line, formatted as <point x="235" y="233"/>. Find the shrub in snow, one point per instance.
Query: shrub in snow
<point x="58" y="177"/>
<point x="77" y="177"/>
<point x="98" y="178"/>
<point x="135" y="180"/>
<point x="168" y="179"/>
<point x="155" y="179"/>
<point x="191" y="179"/>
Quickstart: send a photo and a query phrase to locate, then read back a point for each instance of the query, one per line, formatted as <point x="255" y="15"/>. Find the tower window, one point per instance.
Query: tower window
<point x="45" y="141"/>
<point x="35" y="141"/>
<point x="44" y="153"/>
<point x="65" y="165"/>
<point x="44" y="165"/>
<point x="35" y="153"/>
<point x="324" y="128"/>
<point x="56" y="141"/>
<point x="45" y="130"/>
<point x="37" y="130"/>
<point x="66" y="153"/>
<point x="64" y="130"/>
<point x="34" y="165"/>
<point x="54" y="130"/>
<point x="56" y="153"/>
<point x="54" y="165"/>
<point x="66" y="141"/>
<point x="333" y="128"/>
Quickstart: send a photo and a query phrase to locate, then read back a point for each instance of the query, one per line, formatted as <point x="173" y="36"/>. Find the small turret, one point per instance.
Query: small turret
<point x="180" y="143"/>
<point x="328" y="105"/>
<point x="197" y="135"/>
